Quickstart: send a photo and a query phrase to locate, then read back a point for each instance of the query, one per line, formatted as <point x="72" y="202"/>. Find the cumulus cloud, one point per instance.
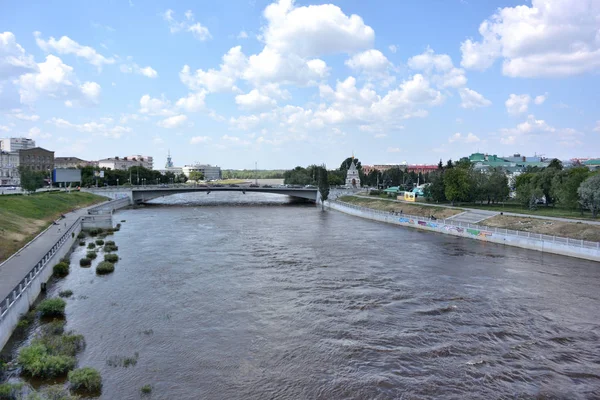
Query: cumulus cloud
<point x="133" y="68"/>
<point x="242" y="35"/>
<point x="393" y="48"/>
<point x="517" y="104"/>
<point x="440" y="69"/>
<point x="25" y="117"/>
<point x="189" y="24"/>
<point x="57" y="80"/>
<point x="173" y="122"/>
<point x="154" y="106"/>
<point x="221" y="80"/>
<point x="597" y="128"/>
<point x="549" y="38"/>
<point x="531" y="126"/>
<point x="14" y="61"/>
<point x="254" y="100"/>
<point x="194" y="102"/>
<point x="540" y="99"/>
<point x="472" y="99"/>
<point x="106" y="128"/>
<point x="393" y="150"/>
<point x="469" y="138"/>
<point x="66" y="45"/>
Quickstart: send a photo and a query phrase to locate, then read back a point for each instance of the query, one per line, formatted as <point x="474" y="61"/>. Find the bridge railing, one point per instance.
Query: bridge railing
<point x="109" y="206"/>
<point x="508" y="232"/>
<point x="36" y="269"/>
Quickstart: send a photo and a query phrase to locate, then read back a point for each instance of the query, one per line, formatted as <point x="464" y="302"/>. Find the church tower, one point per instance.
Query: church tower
<point x="352" y="177"/>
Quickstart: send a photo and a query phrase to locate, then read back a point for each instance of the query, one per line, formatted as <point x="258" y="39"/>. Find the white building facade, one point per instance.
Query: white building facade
<point x="210" y="172"/>
<point x="15" y="144"/>
<point x="125" y="163"/>
<point x="352" y="177"/>
<point x="9" y="172"/>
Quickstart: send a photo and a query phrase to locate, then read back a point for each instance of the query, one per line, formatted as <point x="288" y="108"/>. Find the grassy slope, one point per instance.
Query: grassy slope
<point x="410" y="209"/>
<point x="542" y="210"/>
<point x="23" y="217"/>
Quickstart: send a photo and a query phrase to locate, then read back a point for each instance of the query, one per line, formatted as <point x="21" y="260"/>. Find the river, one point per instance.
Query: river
<point x="246" y="297"/>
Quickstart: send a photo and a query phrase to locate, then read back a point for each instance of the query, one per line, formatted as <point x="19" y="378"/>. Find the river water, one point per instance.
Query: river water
<point x="245" y="297"/>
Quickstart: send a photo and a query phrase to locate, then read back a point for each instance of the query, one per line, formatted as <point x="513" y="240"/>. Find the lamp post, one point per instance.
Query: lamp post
<point x="117" y="182"/>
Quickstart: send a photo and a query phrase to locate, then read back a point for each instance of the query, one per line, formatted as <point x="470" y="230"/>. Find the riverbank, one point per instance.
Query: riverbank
<point x="24" y="217"/>
<point x="396" y="206"/>
<point x="526" y="240"/>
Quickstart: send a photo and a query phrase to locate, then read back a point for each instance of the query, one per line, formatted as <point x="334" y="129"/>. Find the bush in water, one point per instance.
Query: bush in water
<point x="85" y="379"/>
<point x="104" y="268"/>
<point x="85" y="262"/>
<point x="60" y="270"/>
<point x="52" y="307"/>
<point x="113" y="258"/>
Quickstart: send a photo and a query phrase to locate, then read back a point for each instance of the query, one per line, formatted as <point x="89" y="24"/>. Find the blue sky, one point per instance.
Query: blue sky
<point x="290" y="83"/>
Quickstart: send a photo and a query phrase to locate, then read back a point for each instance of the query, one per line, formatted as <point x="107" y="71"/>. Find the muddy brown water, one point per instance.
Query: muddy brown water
<point x="246" y="297"/>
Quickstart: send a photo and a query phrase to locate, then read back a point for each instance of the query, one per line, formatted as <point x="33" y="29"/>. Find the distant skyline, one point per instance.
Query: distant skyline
<point x="286" y="83"/>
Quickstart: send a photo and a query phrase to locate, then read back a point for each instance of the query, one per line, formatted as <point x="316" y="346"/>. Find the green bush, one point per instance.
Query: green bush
<point x="60" y="270"/>
<point x="26" y="321"/>
<point x="85" y="379"/>
<point x="56" y="327"/>
<point x="10" y="391"/>
<point x="93" y="232"/>
<point x="85" y="262"/>
<point x="67" y="344"/>
<point x="66" y="293"/>
<point x="82" y="242"/>
<point x="36" y="361"/>
<point x="91" y="255"/>
<point x="104" y="268"/>
<point x="109" y="243"/>
<point x="146" y="389"/>
<point x="91" y="245"/>
<point x="66" y="260"/>
<point x="99" y="242"/>
<point x="113" y="258"/>
<point x="81" y="235"/>
<point x="52" y="307"/>
<point x="110" y="247"/>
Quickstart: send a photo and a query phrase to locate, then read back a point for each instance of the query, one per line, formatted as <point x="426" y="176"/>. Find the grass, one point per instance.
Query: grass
<point x="26" y="320"/>
<point x="146" y="389"/>
<point x="99" y="242"/>
<point x="23" y="217"/>
<point x="60" y="270"/>
<point x="112" y="258"/>
<point x="125" y="362"/>
<point x="395" y="206"/>
<point x="52" y="307"/>
<point x="85" y="379"/>
<point x="85" y="262"/>
<point x="91" y="255"/>
<point x="542" y="210"/>
<point x="105" y="267"/>
<point x="110" y="247"/>
<point x="10" y="391"/>
<point x="571" y="230"/>
<point x="65" y="293"/>
<point x="91" y="245"/>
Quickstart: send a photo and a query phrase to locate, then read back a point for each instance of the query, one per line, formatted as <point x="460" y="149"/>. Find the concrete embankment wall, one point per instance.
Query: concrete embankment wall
<point x="27" y="291"/>
<point x="525" y="240"/>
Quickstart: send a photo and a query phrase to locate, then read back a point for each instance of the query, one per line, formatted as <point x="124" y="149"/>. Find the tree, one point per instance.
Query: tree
<point x="440" y="165"/>
<point x="298" y="176"/>
<point x="458" y="185"/>
<point x="589" y="194"/>
<point x="31" y="180"/>
<point x="565" y="184"/>
<point x="449" y="164"/>
<point x="497" y="186"/>
<point x="323" y="184"/>
<point x="196" y="176"/>
<point x="555" y="164"/>
<point x="346" y="164"/>
<point x="436" y="189"/>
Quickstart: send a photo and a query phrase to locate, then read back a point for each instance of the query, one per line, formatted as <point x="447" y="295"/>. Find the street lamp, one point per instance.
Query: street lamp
<point x="117" y="181"/>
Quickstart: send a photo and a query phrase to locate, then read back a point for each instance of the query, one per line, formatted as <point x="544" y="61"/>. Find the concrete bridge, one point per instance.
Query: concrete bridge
<point x="141" y="194"/>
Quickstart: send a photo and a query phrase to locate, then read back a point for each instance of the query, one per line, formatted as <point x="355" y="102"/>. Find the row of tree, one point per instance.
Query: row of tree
<point x="461" y="183"/>
<point x="133" y="176"/>
<point x="252" y="174"/>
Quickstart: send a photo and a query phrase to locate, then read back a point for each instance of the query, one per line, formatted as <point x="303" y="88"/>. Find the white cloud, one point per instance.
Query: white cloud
<point x="531" y="126"/>
<point x="173" y="122"/>
<point x="5" y="128"/>
<point x="36" y="133"/>
<point x="133" y="68"/>
<point x="221" y="80"/>
<point x="548" y="38"/>
<point x="439" y="67"/>
<point x="92" y="127"/>
<point x="66" y="45"/>
<point x="469" y="138"/>
<point x="393" y="150"/>
<point x="242" y="35"/>
<point x="472" y="99"/>
<point x="369" y="60"/>
<point x="26" y="117"/>
<point x="193" y="102"/>
<point x="517" y="104"/>
<point x="254" y="100"/>
<point x="393" y="48"/>
<point x="199" y="31"/>
<point x="597" y="128"/>
<point x="199" y="139"/>
<point x="91" y="90"/>
<point x="154" y="106"/>
<point x="13" y="59"/>
<point x="57" y="80"/>
<point x="315" y="30"/>
<point x="540" y="99"/>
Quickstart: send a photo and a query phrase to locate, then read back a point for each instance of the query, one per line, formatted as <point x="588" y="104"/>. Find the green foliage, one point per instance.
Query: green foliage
<point x="99" y="242"/>
<point x="85" y="262"/>
<point x="56" y="327"/>
<point x="82" y="242"/>
<point x="458" y="185"/>
<point x="60" y="270"/>
<point x="10" y="391"/>
<point x="323" y="183"/>
<point x="105" y="267"/>
<point x="109" y="243"/>
<point x="85" y="379"/>
<point x="112" y="258"/>
<point x="94" y="232"/>
<point x="589" y="194"/>
<point x="146" y="389"/>
<point x="251" y="174"/>
<point x="81" y="235"/>
<point x="52" y="307"/>
<point x="565" y="184"/>
<point x="436" y="190"/>
<point x="65" y="293"/>
<point x="54" y="392"/>
<point x="37" y="361"/>
<point x="32" y="180"/>
<point x="91" y="245"/>
<point x="120" y="361"/>
<point x="298" y="176"/>
<point x="67" y="344"/>
<point x="196" y="176"/>
<point x="91" y="255"/>
<point x="110" y="247"/>
<point x="26" y="320"/>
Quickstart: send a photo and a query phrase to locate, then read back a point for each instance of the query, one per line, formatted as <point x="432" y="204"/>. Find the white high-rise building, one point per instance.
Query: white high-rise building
<point x="11" y="145"/>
